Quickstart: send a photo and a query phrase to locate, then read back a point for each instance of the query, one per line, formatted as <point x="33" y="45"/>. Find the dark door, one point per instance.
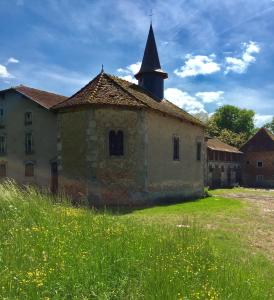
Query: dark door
<point x="54" y="178"/>
<point x="216" y="177"/>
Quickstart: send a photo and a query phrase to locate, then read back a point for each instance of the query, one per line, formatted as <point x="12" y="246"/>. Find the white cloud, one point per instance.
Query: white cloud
<point x="209" y="97"/>
<point x="130" y="71"/>
<point x="129" y="78"/>
<point x="4" y="72"/>
<point x="184" y="100"/>
<point x="198" y="65"/>
<point x="261" y="120"/>
<point x="240" y="65"/>
<point x="12" y="60"/>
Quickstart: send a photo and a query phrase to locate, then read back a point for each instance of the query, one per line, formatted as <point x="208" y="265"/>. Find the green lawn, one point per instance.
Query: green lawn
<point x="51" y="250"/>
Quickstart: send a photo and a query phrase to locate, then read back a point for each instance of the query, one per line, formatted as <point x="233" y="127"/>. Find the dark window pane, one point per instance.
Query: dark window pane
<point x="116" y="143"/>
<point x="176" y="148"/>
<point x="198" y="154"/>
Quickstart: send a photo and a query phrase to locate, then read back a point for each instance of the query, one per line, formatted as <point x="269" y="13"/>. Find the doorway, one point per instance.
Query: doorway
<point x="54" y="178"/>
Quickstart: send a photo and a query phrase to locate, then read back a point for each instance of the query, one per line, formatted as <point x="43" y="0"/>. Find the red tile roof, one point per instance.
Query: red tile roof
<point x="217" y="145"/>
<point x="45" y="99"/>
<point x="111" y="90"/>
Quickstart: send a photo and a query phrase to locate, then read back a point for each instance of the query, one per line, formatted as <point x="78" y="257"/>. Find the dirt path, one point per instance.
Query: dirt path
<point x="260" y="217"/>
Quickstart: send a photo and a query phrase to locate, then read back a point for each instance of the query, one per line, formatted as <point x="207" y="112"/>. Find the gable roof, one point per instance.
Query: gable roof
<point x="217" y="145"/>
<point x="262" y="140"/>
<point x="107" y="89"/>
<point x="45" y="99"/>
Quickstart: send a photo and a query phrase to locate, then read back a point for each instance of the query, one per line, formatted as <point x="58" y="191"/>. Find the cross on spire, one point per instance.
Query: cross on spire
<point x="151" y="15"/>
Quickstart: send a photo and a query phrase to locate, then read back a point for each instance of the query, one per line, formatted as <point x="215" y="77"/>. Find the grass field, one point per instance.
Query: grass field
<point x="193" y="250"/>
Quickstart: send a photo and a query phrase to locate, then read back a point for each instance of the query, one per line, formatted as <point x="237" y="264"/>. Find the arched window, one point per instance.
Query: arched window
<point x="116" y="143"/>
<point x="29" y="169"/>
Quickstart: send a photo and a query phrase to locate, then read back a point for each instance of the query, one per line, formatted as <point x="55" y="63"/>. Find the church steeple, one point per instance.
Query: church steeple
<point x="151" y="76"/>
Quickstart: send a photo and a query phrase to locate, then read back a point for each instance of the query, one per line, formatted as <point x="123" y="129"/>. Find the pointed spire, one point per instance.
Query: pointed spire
<point x="151" y="60"/>
<point x="151" y="76"/>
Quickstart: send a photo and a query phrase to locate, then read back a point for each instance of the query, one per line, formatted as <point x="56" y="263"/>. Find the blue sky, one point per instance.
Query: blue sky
<point x="216" y="52"/>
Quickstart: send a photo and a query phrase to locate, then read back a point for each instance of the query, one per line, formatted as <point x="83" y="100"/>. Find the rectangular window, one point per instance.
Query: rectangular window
<point x="29" y="143"/>
<point x="198" y="151"/>
<point x="176" y="148"/>
<point x="29" y="169"/>
<point x="259" y="178"/>
<point x="116" y="143"/>
<point x="28" y="118"/>
<point x="3" y="144"/>
<point x="3" y="171"/>
<point x="259" y="164"/>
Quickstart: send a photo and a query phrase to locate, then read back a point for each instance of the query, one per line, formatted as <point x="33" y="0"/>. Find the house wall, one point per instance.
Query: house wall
<point x="146" y="171"/>
<point x="250" y="169"/>
<point x="86" y="166"/>
<point x="167" y="178"/>
<point x="44" y="130"/>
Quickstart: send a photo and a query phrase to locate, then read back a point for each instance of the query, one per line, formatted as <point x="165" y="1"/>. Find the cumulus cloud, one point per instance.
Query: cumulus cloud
<point x="240" y="65"/>
<point x="209" y="97"/>
<point x="4" y="73"/>
<point x="184" y="100"/>
<point x="130" y="71"/>
<point x="12" y="60"/>
<point x="198" y="65"/>
<point x="261" y="120"/>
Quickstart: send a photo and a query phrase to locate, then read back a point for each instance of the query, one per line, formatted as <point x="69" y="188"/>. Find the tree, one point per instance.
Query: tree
<point x="270" y="125"/>
<point x="231" y="125"/>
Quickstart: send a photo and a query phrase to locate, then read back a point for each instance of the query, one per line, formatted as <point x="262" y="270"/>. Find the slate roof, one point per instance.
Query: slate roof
<point x="107" y="89"/>
<point x="217" y="145"/>
<point x="45" y="99"/>
<point x="151" y="62"/>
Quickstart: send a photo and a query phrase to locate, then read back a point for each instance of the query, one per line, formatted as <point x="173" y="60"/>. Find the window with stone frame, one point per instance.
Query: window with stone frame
<point x="3" y="170"/>
<point x="29" y="143"/>
<point x="176" y="148"/>
<point x="3" y="144"/>
<point x="259" y="164"/>
<point x="199" y="151"/>
<point x="28" y="118"/>
<point x="116" y="143"/>
<point x="29" y="169"/>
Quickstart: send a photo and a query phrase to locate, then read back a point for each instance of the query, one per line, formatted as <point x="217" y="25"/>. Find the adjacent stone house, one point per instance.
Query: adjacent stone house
<point x="122" y="143"/>
<point x="258" y="164"/>
<point x="28" y="136"/>
<point x="223" y="164"/>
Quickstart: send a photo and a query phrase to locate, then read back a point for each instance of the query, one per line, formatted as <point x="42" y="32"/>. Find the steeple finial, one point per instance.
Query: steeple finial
<point x="151" y="15"/>
<point x="102" y="69"/>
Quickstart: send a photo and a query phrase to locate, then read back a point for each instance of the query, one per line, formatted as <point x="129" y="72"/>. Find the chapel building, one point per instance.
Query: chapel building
<point x="122" y="143"/>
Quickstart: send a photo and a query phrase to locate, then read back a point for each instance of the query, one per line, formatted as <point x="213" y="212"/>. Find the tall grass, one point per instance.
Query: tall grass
<point x="54" y="251"/>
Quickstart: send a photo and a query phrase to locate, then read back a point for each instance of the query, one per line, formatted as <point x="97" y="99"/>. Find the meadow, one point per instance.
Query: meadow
<point x="193" y="250"/>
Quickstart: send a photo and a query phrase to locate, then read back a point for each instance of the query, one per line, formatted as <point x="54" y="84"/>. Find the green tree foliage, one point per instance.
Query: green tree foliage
<point x="231" y="124"/>
<point x="270" y="125"/>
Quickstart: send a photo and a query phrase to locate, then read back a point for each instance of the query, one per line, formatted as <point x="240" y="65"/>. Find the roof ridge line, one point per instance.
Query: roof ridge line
<point x="201" y="122"/>
<point x="29" y="97"/>
<point x="96" y="87"/>
<point x="127" y="92"/>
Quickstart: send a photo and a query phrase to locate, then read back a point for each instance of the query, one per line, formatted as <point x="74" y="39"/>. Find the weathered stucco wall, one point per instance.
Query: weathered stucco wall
<point x="72" y="151"/>
<point x="44" y="130"/>
<point x="144" y="173"/>
<point x="86" y="166"/>
<point x="165" y="176"/>
<point x="250" y="169"/>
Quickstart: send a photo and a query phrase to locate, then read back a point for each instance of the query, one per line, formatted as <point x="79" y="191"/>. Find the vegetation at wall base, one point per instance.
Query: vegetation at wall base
<point x="51" y="250"/>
